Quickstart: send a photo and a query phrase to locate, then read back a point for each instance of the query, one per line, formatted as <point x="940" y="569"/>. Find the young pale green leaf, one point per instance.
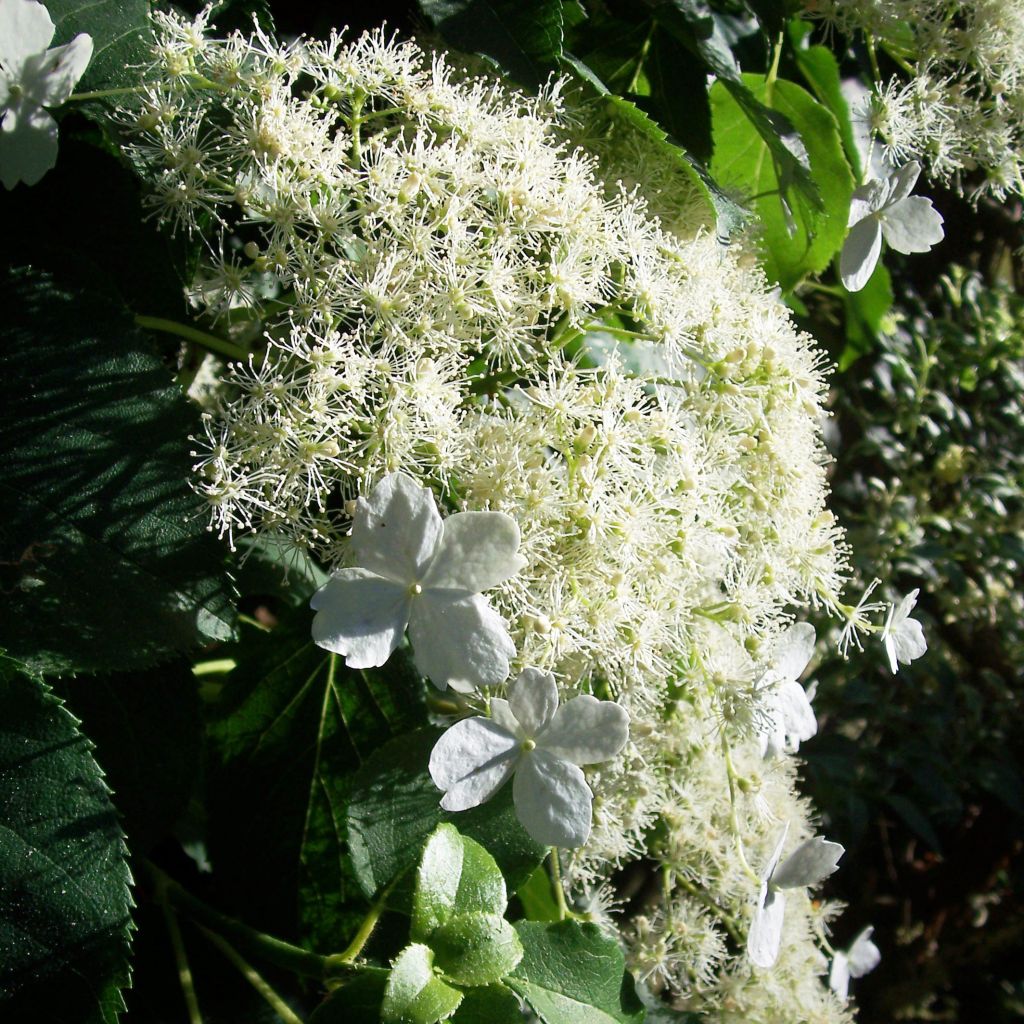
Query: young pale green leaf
<point x="148" y="734"/>
<point x="572" y="974"/>
<point x="394" y="806"/>
<point x="121" y="36"/>
<point x="414" y="994"/>
<point x="476" y="949"/>
<point x="491" y="1004"/>
<point x="798" y="237"/>
<point x="106" y="562"/>
<point x="65" y="907"/>
<point x="289" y="731"/>
<point x="455" y="876"/>
<point x="523" y="36"/>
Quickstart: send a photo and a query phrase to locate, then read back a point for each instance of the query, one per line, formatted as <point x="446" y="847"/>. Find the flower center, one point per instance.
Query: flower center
<point x="416" y="590"/>
<point x="529" y="745"/>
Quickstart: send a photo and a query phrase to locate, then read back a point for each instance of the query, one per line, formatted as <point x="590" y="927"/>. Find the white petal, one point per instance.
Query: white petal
<point x="49" y="78"/>
<point x="501" y="714"/>
<point x="773" y="860"/>
<point x="462" y="644"/>
<point x="477" y="551"/>
<point x="908" y="641"/>
<point x="863" y="955"/>
<point x="912" y="225"/>
<point x="5" y="87"/>
<point x="586" y="730"/>
<point x="471" y="761"/>
<point x="25" y="28"/>
<point x="867" y="199"/>
<point x="765" y="935"/>
<point x="839" y="976"/>
<point x="906" y="606"/>
<point x="799" y="723"/>
<point x="811" y="862"/>
<point x="902" y="182"/>
<point x="860" y="253"/>
<point x="553" y="800"/>
<point x="396" y="529"/>
<point x="28" y="144"/>
<point x="360" y="615"/>
<point x="794" y="651"/>
<point x="534" y="700"/>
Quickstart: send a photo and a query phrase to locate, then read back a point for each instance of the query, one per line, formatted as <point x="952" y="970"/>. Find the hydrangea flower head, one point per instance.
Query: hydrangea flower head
<point x="902" y="636"/>
<point x="33" y="77"/>
<point x="887" y="209"/>
<point x="810" y="863"/>
<point x="417" y="571"/>
<point x="861" y="958"/>
<point x="789" y="716"/>
<point x="542" y="744"/>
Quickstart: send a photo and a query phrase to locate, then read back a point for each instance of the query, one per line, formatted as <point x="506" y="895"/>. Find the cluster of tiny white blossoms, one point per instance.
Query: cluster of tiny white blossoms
<point x="960" y="106"/>
<point x="450" y="293"/>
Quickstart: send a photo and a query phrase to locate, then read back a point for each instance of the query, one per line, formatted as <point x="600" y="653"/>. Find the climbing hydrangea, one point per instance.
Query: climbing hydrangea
<point x="444" y="285"/>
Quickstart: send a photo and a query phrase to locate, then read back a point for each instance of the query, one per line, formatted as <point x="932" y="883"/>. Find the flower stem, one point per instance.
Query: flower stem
<point x="102" y="94"/>
<point x="556" y="885"/>
<point x="180" y="958"/>
<point x="220" y="346"/>
<point x="348" y="955"/>
<point x="251" y="975"/>
<point x="266" y="947"/>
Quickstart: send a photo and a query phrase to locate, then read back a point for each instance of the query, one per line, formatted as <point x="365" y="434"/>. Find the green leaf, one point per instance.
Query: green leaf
<point x="394" y="805"/>
<point x="148" y="735"/>
<point x="455" y="876"/>
<point x="866" y="311"/>
<point x="121" y="36"/>
<point x="290" y="729"/>
<point x="572" y="974"/>
<point x="523" y="36"/>
<point x="492" y="1004"/>
<point x="64" y="885"/>
<point x="679" y="95"/>
<point x="800" y="238"/>
<point x="476" y="948"/>
<point x="821" y="69"/>
<point x="356" y="1002"/>
<point x="106" y="562"/>
<point x="538" y="898"/>
<point x="692" y="23"/>
<point x="414" y="994"/>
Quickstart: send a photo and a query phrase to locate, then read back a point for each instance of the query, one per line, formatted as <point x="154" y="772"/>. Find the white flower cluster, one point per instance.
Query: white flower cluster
<point x="449" y="290"/>
<point x="960" y="107"/>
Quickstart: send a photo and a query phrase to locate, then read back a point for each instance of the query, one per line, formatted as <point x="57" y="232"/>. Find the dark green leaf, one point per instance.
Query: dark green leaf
<point x="395" y="805"/>
<point x="493" y="1004"/>
<point x="148" y="735"/>
<point x="679" y="95"/>
<point x="356" y="1002"/>
<point x="537" y="897"/>
<point x="290" y="729"/>
<point x="107" y="564"/>
<point x="915" y="819"/>
<point x="121" y="36"/>
<point x="572" y="974"/>
<point x="865" y="312"/>
<point x="799" y="237"/>
<point x="64" y="884"/>
<point x="523" y="36"/>
<point x="456" y="875"/>
<point x="414" y="994"/>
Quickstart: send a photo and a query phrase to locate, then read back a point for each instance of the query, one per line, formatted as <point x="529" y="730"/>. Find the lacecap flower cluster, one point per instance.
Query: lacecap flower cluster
<point x="448" y="288"/>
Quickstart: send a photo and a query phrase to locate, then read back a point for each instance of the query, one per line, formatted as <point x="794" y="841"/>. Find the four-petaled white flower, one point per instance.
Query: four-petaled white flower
<point x="903" y="636"/>
<point x="543" y="744"/>
<point x="810" y="863"/>
<point x="415" y="570"/>
<point x="861" y="957"/>
<point x="886" y="208"/>
<point x="31" y="78"/>
<point x="789" y="718"/>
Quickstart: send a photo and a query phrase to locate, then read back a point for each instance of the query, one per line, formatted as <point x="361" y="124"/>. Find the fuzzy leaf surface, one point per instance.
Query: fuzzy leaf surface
<point x="121" y="36"/>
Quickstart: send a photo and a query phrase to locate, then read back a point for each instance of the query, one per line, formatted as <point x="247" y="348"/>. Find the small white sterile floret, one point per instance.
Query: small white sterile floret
<point x="810" y="863"/>
<point x="887" y="209"/>
<point x="902" y="636"/>
<point x="789" y="718"/>
<point x="31" y="78"/>
<point x="414" y="570"/>
<point x="859" y="959"/>
<point x="542" y="744"/>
